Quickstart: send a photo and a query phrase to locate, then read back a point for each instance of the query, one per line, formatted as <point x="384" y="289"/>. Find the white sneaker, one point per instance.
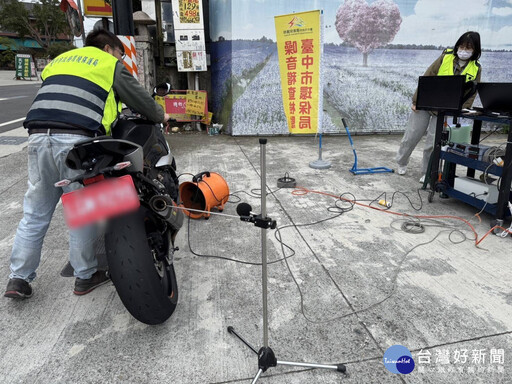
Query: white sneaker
<point x="422" y="180"/>
<point x="402" y="170"/>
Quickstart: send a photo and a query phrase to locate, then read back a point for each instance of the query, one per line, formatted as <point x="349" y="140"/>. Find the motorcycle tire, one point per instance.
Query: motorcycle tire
<point x="146" y="286"/>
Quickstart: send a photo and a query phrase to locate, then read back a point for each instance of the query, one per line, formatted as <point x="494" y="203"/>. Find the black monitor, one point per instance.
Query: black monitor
<point x="496" y="97"/>
<point x="440" y="93"/>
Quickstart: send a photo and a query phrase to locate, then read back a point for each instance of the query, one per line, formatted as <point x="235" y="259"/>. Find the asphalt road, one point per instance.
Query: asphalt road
<point x="14" y="104"/>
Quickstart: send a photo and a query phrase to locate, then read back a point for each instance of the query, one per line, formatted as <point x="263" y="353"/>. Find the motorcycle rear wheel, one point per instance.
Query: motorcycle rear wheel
<point x="145" y="283"/>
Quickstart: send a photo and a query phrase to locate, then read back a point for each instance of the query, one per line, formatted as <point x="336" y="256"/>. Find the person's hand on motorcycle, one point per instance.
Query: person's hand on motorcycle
<point x="166" y="124"/>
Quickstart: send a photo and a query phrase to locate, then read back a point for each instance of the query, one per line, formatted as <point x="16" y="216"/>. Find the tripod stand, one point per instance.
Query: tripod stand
<point x="266" y="356"/>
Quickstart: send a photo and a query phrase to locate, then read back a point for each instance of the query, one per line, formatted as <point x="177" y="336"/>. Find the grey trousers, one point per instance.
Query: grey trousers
<point x="419" y="123"/>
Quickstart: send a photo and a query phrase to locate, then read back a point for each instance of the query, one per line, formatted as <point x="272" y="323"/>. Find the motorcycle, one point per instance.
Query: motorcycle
<point x="130" y="184"/>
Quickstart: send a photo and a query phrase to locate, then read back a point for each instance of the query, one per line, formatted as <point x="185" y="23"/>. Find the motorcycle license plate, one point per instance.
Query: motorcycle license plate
<point x="100" y="201"/>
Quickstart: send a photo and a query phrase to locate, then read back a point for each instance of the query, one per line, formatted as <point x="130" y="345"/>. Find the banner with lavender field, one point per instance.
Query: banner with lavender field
<point x="374" y="52"/>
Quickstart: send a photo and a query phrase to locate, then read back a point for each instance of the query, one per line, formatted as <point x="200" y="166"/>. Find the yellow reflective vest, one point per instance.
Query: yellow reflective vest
<point x="77" y="91"/>
<point x="446" y="69"/>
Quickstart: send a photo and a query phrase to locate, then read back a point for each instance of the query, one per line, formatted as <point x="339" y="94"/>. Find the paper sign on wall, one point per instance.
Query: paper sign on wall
<point x="191" y="61"/>
<point x="196" y="103"/>
<point x="189" y="35"/>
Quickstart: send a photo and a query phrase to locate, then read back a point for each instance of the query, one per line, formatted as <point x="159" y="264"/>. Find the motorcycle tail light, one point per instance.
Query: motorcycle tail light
<point x="92" y="180"/>
<point x="62" y="183"/>
<point x="122" y="165"/>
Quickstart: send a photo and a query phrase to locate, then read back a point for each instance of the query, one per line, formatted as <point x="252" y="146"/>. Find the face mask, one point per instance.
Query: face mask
<point x="464" y="54"/>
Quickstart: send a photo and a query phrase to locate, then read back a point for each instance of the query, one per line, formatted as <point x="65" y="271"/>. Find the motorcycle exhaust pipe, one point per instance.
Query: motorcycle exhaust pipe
<point x="158" y="203"/>
<point x="166" y="207"/>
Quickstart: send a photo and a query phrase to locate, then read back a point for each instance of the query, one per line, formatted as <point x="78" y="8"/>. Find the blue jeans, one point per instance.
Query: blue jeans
<point x="46" y="165"/>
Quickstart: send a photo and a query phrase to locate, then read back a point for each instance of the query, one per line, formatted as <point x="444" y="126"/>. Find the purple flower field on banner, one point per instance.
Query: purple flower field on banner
<point x="373" y="99"/>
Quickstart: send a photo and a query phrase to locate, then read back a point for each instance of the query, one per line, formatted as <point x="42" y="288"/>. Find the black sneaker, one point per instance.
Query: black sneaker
<point x="18" y="289"/>
<point x="84" y="286"/>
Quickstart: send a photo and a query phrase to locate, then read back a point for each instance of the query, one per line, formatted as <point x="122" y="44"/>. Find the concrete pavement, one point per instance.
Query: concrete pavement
<point x="13" y="141"/>
<point x="355" y="285"/>
<point x="9" y="78"/>
<point x="365" y="283"/>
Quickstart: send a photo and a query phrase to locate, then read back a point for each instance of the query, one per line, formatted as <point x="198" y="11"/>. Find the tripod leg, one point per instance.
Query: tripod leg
<point x="232" y="330"/>
<point x="338" y="367"/>
<point x="260" y="371"/>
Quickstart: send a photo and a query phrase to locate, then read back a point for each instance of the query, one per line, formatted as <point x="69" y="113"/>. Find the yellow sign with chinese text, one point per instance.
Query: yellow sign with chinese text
<point x="299" y="48"/>
<point x="196" y="103"/>
<point x="174" y="105"/>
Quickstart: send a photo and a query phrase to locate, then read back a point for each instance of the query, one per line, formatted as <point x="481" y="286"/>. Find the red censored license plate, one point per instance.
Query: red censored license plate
<point x="99" y="201"/>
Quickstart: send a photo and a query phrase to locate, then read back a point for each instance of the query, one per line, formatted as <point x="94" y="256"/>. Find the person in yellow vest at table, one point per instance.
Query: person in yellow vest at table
<point x="461" y="60"/>
<point x="80" y="98"/>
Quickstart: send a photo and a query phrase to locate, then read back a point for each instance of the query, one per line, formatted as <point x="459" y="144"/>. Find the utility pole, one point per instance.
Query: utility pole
<point x="159" y="41"/>
<point x="122" y="14"/>
<point x="82" y="18"/>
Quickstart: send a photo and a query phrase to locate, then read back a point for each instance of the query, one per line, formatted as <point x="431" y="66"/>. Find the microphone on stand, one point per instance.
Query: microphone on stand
<point x="244" y="211"/>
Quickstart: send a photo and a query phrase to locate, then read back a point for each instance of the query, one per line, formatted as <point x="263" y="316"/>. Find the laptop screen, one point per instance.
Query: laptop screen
<point x="496" y="97"/>
<point x="440" y="93"/>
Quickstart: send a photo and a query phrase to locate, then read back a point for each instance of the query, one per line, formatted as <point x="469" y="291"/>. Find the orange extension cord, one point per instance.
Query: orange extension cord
<point x="300" y="191"/>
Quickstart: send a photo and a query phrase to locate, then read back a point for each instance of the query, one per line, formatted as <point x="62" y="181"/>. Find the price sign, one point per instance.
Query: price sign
<point x="189" y="11"/>
<point x="187" y="14"/>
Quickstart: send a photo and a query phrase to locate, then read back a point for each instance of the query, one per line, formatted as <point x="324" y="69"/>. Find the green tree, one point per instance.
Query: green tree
<point x="43" y="23"/>
<point x="56" y="49"/>
<point x="7" y="55"/>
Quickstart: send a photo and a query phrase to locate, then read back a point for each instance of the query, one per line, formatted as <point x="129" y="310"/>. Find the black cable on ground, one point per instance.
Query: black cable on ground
<point x="232" y="259"/>
<point x="383" y="196"/>
<point x="411" y="227"/>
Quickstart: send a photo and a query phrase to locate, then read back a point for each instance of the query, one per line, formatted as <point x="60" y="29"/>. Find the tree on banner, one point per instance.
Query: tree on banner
<point x="367" y="27"/>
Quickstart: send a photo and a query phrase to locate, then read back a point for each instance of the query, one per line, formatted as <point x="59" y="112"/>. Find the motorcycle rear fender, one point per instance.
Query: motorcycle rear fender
<point x="118" y="150"/>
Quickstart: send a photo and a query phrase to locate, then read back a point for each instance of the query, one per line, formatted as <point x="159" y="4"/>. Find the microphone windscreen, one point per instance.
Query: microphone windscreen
<point x="243" y="209"/>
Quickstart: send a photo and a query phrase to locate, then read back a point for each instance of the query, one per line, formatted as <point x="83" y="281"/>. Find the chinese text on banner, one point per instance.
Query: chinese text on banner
<point x="299" y="50"/>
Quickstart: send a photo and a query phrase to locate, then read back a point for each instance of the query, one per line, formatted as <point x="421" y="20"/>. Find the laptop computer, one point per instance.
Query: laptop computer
<point x="495" y="97"/>
<point x="440" y="93"/>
